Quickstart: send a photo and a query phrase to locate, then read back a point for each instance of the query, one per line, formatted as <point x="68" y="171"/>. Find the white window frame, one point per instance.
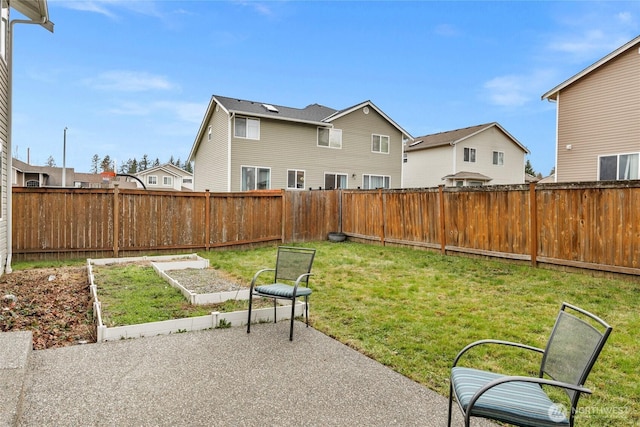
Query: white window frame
<point x="498" y="158"/>
<point x="633" y="174"/>
<point x="152" y="180"/>
<point x="256" y="176"/>
<point x="469" y="154"/>
<point x="167" y="181"/>
<point x="251" y="128"/>
<point x="380" y="143"/>
<point x="334" y="139"/>
<point x="366" y="181"/>
<point x="336" y="181"/>
<point x="299" y="179"/>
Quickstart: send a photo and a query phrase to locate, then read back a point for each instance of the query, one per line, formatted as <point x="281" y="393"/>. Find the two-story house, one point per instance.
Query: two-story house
<point x="166" y="177"/>
<point x="598" y="119"/>
<point x="246" y="145"/>
<point x="476" y="155"/>
<point x="36" y="12"/>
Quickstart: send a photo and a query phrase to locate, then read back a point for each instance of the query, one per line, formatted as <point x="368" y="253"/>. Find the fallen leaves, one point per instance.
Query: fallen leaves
<point x="53" y="303"/>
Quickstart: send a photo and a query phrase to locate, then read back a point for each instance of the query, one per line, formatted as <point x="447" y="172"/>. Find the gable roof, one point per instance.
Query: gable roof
<point x="468" y="175"/>
<point x="314" y="114"/>
<point x="453" y="137"/>
<point x="169" y="168"/>
<point x="553" y="93"/>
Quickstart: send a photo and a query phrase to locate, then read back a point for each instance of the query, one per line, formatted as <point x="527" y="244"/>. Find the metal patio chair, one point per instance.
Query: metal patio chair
<point x="290" y="281"/>
<point x="573" y="347"/>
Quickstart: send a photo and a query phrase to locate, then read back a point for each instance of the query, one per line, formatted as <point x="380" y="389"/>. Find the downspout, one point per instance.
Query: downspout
<point x="229" y="133"/>
<point x="8" y="268"/>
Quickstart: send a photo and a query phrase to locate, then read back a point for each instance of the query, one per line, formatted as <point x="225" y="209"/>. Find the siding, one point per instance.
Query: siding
<point x="597" y="115"/>
<point x="4" y="162"/>
<point x="425" y="168"/>
<point x="285" y="145"/>
<point x="211" y="160"/>
<point x="485" y="143"/>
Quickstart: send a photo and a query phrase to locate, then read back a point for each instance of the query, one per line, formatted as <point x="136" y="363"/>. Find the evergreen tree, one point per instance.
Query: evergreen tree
<point x="51" y="162"/>
<point x="95" y="160"/>
<point x="106" y="165"/>
<point x="529" y="169"/>
<point x="144" y="163"/>
<point x="156" y="162"/>
<point x="188" y="167"/>
<point x="133" y="167"/>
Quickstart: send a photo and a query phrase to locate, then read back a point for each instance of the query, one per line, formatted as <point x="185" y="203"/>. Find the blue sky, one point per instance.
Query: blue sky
<point x="129" y="77"/>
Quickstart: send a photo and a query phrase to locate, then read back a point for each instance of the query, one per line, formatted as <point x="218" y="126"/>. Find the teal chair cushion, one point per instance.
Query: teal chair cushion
<point x="282" y="290"/>
<point x="518" y="403"/>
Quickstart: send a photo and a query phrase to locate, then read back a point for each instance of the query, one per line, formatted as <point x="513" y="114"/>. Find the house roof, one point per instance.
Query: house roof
<point x="553" y="93"/>
<point x="314" y="114"/>
<point x="36" y="10"/>
<point x="166" y="167"/>
<point x="468" y="175"/>
<point x="453" y="137"/>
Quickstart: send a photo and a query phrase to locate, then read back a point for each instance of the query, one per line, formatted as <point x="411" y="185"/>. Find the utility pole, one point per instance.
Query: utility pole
<point x="64" y="158"/>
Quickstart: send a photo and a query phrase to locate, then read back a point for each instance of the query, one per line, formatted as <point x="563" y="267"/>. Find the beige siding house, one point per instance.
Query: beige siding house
<point x="166" y="177"/>
<point x="478" y="155"/>
<point x="36" y="12"/>
<point x="245" y="145"/>
<point x="598" y="119"/>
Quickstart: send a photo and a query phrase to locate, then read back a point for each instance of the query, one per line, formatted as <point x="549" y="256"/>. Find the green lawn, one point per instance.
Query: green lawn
<point x="413" y="310"/>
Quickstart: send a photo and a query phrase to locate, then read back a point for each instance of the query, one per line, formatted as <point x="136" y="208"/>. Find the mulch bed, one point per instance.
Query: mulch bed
<point x="53" y="303"/>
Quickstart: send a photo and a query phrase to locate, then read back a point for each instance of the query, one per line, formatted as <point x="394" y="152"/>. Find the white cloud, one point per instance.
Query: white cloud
<point x="515" y="90"/>
<point x="109" y="8"/>
<point x="129" y="81"/>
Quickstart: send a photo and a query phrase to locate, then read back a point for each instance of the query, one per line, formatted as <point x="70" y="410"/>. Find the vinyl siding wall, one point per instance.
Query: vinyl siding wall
<point x="210" y="170"/>
<point x="485" y="143"/>
<point x="285" y="145"/>
<point x="425" y="168"/>
<point x="4" y="160"/>
<point x="599" y="115"/>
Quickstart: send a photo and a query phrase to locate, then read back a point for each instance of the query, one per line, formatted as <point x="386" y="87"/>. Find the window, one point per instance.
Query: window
<point x="618" y="167"/>
<point x="187" y="180"/>
<point x="371" y="182"/>
<point x="255" y="178"/>
<point x="331" y="138"/>
<point x="247" y="128"/>
<point x="167" y="181"/>
<point x="469" y="154"/>
<point x="333" y="181"/>
<point x="295" y="178"/>
<point x="152" y="180"/>
<point x="380" y="144"/>
<point x="33" y="183"/>
<point x="498" y="158"/>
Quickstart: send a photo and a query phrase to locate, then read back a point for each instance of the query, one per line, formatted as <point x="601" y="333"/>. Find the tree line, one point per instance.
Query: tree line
<point x="130" y="167"/>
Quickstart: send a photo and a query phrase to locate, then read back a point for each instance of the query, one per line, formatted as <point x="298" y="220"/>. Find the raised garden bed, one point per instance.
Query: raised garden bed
<point x="202" y="286"/>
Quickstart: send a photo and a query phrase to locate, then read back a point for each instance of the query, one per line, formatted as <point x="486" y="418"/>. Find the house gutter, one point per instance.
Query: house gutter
<point x="46" y="24"/>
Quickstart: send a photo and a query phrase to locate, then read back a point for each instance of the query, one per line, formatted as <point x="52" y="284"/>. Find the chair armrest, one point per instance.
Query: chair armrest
<point x="537" y="380"/>
<point x="300" y="278"/>
<point x="255" y="276"/>
<point x="499" y="342"/>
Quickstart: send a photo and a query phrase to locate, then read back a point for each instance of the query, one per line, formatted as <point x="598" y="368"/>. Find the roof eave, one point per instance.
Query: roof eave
<point x="36" y="10"/>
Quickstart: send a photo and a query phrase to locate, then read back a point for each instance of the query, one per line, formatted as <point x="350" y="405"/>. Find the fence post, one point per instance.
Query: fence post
<point x="443" y="235"/>
<point x="283" y="196"/>
<point x="533" y="224"/>
<point x="116" y="219"/>
<point x="382" y="216"/>
<point x="207" y="220"/>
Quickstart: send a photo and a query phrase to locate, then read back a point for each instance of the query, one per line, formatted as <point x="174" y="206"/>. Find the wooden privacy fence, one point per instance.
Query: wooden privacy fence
<point x="587" y="225"/>
<point x="118" y="222"/>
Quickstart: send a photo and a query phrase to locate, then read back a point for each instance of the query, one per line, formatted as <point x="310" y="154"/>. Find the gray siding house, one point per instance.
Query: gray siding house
<point x="37" y="12"/>
<point x="598" y="119"/>
<point x="246" y="145"/>
<point x="477" y="155"/>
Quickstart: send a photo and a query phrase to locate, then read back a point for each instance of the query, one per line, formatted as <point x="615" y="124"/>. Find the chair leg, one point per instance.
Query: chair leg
<point x="306" y="309"/>
<point x="249" y="317"/>
<point x="450" y="403"/>
<point x="275" y="311"/>
<point x="293" y="312"/>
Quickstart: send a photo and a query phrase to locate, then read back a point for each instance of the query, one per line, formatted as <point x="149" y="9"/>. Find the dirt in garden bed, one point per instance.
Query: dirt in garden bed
<point x="53" y="303"/>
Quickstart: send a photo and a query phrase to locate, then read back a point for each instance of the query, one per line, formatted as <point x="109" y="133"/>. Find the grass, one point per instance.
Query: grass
<point x="413" y="310"/>
<point x="133" y="294"/>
